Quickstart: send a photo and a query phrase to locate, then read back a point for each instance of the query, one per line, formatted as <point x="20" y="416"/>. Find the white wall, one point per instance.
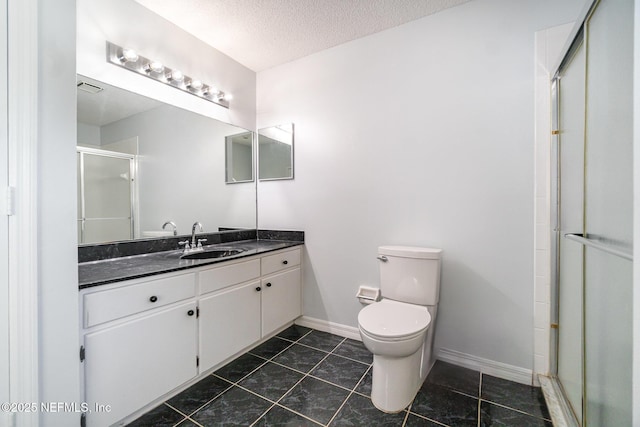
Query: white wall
<point x="419" y="135"/>
<point x="128" y="24"/>
<point x="88" y="134"/>
<point x="181" y="171"/>
<point x="57" y="244"/>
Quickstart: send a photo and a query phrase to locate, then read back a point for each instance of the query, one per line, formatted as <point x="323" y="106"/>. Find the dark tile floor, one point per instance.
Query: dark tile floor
<point x="304" y="377"/>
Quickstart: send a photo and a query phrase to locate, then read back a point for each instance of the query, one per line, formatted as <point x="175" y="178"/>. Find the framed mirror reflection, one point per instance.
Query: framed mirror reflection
<point x="239" y="158"/>
<point x="275" y="152"/>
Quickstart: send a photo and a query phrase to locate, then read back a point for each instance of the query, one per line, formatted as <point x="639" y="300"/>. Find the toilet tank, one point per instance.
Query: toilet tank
<point x="410" y="274"/>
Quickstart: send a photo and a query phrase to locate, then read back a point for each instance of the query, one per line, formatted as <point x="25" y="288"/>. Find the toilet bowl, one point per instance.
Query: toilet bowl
<point x="398" y="330"/>
<point x="395" y="333"/>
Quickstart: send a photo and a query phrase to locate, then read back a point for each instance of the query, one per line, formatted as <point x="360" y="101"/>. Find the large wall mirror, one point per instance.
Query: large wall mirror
<point x="275" y="152"/>
<point x="143" y="164"/>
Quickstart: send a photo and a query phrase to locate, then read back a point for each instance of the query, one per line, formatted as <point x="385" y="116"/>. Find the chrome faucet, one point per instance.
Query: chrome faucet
<point x="172" y="224"/>
<point x="196" y="244"/>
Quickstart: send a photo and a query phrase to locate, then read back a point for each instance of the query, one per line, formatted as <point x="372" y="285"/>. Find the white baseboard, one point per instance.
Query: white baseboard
<point x="332" y="328"/>
<point x="486" y="366"/>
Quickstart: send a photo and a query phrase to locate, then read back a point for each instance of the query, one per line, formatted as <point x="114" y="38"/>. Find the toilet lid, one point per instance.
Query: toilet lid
<point x="392" y="319"/>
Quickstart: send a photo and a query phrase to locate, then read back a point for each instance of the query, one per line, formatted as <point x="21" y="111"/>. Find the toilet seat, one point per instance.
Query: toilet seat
<point x="390" y="320"/>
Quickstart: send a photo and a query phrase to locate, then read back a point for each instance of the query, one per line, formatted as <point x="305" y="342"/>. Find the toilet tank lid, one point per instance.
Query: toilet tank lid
<point x="410" y="252"/>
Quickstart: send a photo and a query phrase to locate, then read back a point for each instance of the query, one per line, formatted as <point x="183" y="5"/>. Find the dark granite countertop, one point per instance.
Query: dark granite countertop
<point x="96" y="273"/>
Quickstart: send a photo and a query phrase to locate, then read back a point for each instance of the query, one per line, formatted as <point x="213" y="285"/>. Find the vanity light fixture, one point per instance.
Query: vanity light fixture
<point x="195" y="85"/>
<point x="132" y="61"/>
<point x="128" y="55"/>
<point x="154" y="67"/>
<point x="175" y="76"/>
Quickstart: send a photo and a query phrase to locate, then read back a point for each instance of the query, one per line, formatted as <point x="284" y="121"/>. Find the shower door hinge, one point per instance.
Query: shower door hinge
<point x="554" y="326"/>
<point x="197" y="361"/>
<point x="11" y="201"/>
<point x="82" y="353"/>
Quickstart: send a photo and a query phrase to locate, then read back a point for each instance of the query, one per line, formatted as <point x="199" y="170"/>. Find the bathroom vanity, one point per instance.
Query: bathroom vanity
<point x="151" y="324"/>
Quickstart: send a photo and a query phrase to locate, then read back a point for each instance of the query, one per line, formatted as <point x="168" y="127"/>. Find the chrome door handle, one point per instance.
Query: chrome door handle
<point x="383" y="258"/>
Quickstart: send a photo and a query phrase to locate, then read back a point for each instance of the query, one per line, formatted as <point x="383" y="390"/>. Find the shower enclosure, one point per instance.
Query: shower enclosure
<point x="593" y="190"/>
<point x="105" y="195"/>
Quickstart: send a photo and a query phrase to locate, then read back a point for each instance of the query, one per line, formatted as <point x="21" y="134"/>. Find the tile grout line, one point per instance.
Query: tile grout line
<point x="210" y="400"/>
<point x="515" y="410"/>
<point x="289" y="390"/>
<point x="406" y="416"/>
<point x="508" y="407"/>
<point x="440" y="423"/>
<point x="271" y="359"/>
<point x="348" y="397"/>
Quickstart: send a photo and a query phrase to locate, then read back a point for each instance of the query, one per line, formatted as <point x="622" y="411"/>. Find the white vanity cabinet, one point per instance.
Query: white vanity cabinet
<point x="129" y="344"/>
<point x="229" y="322"/>
<point x="145" y="338"/>
<point x="246" y="302"/>
<point x="229" y="310"/>
<point x="281" y="291"/>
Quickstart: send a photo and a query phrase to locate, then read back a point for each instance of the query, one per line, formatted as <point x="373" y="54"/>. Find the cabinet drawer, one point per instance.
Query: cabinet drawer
<point x="280" y="261"/>
<point x="103" y="306"/>
<point x="221" y="277"/>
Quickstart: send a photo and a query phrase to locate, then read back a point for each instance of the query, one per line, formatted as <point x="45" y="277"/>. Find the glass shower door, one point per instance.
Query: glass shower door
<point x="608" y="215"/>
<point x="105" y="197"/>
<point x="595" y="210"/>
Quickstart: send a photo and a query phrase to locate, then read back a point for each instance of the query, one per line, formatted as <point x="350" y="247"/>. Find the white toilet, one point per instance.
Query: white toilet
<point x="398" y="330"/>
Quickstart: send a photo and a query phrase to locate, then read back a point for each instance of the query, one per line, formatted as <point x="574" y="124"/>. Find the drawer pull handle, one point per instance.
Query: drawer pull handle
<point x="285" y="262"/>
<point x="153" y="298"/>
<point x="269" y="285"/>
<point x="190" y="312"/>
<point x="258" y="289"/>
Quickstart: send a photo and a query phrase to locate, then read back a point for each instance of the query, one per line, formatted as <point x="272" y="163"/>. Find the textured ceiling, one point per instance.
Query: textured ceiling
<point x="261" y="34"/>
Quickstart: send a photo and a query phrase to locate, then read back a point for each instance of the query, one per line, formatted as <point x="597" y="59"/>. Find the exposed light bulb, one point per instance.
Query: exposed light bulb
<point x="129" y="55"/>
<point x="227" y="96"/>
<point x="195" y="84"/>
<point x="154" y="66"/>
<point x="176" y="76"/>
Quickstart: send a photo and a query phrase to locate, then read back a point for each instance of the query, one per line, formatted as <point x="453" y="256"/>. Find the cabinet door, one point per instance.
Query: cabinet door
<point x="130" y="365"/>
<point x="281" y="300"/>
<point x="229" y="322"/>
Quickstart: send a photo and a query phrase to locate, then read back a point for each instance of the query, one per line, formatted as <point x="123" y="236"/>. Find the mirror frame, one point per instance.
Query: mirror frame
<point x="292" y="158"/>
<point x="228" y="150"/>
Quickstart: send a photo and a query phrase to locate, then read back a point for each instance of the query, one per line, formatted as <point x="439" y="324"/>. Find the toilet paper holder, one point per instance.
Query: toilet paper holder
<point x="368" y="295"/>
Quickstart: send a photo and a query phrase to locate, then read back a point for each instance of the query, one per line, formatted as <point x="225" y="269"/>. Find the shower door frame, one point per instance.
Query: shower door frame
<point x="577" y="39"/>
<point x="132" y="187"/>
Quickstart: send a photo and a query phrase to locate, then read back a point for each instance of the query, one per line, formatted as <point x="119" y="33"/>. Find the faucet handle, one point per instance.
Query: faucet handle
<point x="200" y="242"/>
<point x="185" y="243"/>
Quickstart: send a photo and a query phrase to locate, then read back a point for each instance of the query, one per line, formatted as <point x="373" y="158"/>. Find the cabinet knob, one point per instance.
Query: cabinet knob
<point x="190" y="312"/>
<point x="153" y="298"/>
<point x="269" y="285"/>
<point x="285" y="262"/>
<point x="258" y="288"/>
